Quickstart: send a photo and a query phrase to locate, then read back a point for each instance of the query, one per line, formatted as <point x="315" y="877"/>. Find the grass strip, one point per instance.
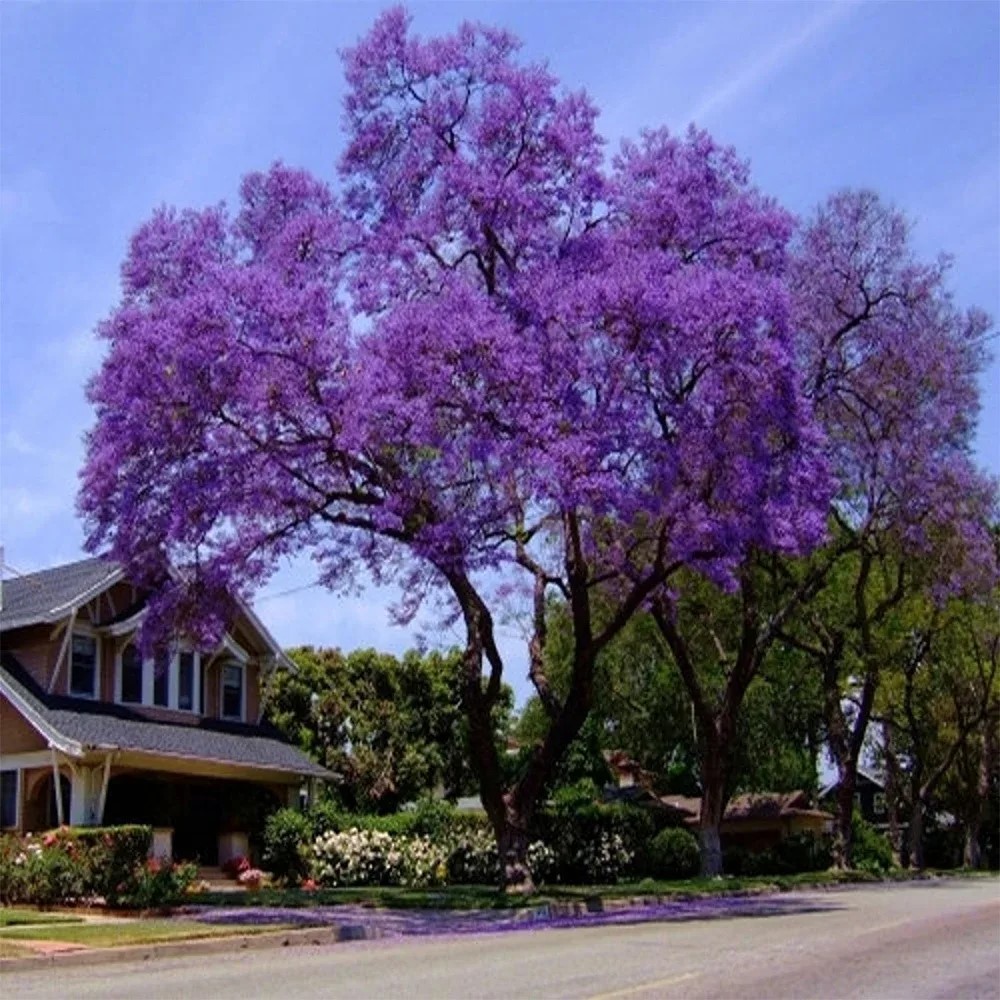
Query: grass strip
<point x="14" y="917"/>
<point x="488" y="897"/>
<point x="109" y="935"/>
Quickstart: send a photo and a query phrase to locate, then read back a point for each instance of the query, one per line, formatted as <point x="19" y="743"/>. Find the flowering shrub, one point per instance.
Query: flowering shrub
<point x="594" y="842"/>
<point x="114" y="854"/>
<point x="604" y="859"/>
<point x="251" y="878"/>
<point x="157" y="883"/>
<point x="70" y="864"/>
<point x="541" y="861"/>
<point x="371" y="857"/>
<point x="236" y="866"/>
<point x="374" y="857"/>
<point x="473" y="859"/>
<point x="357" y="857"/>
<point x="41" y="870"/>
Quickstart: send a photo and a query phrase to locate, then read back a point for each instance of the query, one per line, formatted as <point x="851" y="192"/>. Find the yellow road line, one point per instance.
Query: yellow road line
<point x="644" y="987"/>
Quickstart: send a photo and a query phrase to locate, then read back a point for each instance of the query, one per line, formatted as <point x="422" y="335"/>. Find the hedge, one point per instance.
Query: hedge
<point x="80" y="863"/>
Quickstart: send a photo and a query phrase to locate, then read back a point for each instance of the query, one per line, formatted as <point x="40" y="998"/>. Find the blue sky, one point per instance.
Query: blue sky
<point x="109" y="110"/>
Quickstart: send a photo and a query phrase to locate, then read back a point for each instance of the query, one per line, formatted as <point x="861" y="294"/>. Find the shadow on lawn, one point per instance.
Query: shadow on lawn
<point x="406" y="923"/>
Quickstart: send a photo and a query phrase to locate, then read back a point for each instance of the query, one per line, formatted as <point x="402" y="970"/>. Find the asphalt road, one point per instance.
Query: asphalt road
<point x="908" y="941"/>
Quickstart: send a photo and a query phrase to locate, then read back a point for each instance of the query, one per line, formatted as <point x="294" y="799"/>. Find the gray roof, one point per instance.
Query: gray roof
<point x="48" y="594"/>
<point x="105" y="725"/>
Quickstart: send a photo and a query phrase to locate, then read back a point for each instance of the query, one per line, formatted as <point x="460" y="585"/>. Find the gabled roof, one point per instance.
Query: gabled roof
<point x="749" y="806"/>
<point x="76" y="726"/>
<point x="50" y="594"/>
<point x="863" y="773"/>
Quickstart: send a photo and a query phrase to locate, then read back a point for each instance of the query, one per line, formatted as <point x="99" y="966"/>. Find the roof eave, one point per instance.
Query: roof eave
<point x="55" y="738"/>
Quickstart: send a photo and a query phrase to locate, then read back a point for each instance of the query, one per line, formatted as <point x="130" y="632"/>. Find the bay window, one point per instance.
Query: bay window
<point x="170" y="678"/>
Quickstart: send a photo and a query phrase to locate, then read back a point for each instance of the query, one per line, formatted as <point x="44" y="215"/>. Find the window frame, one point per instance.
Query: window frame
<point x="235" y="664"/>
<point x="85" y="633"/>
<point x="18" y="788"/>
<point x="178" y="657"/>
<point x="120" y="675"/>
<point x="167" y="657"/>
<point x="172" y="678"/>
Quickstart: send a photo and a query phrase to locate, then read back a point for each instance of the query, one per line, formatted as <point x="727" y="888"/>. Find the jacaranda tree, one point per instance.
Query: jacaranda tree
<point x="487" y="355"/>
<point x="891" y="366"/>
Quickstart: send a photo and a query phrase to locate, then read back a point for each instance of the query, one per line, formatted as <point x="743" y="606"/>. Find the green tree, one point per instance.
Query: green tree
<point x="940" y="700"/>
<point x="642" y="706"/>
<point x="393" y="729"/>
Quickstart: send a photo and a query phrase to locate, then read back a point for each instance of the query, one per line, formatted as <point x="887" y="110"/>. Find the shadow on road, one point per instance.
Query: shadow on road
<point x="363" y="922"/>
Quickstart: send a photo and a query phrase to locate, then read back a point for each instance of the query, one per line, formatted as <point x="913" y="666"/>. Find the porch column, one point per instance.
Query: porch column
<point x="85" y="802"/>
<point x="57" y="785"/>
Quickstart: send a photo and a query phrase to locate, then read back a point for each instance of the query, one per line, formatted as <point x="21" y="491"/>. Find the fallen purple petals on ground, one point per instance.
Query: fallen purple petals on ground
<point x="405" y="923"/>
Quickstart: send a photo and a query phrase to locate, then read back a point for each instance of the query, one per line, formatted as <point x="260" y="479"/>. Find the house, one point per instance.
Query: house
<point x="630" y="783"/>
<point x="93" y="732"/>
<point x="756" y="821"/>
<point x="870" y="800"/>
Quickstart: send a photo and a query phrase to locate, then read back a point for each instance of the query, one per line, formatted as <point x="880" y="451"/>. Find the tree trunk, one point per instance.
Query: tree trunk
<point x="892" y="783"/>
<point x="710" y="845"/>
<point x="972" y="855"/>
<point x="843" y="835"/>
<point x="713" y="803"/>
<point x="917" y="833"/>
<point x="512" y="845"/>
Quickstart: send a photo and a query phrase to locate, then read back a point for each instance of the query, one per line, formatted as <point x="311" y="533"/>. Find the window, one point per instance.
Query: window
<point x="232" y="691"/>
<point x="83" y="666"/>
<point x="161" y="678"/>
<point x="171" y="678"/>
<point x="185" y="681"/>
<point x="879" y="803"/>
<point x="9" y="787"/>
<point x="131" y="676"/>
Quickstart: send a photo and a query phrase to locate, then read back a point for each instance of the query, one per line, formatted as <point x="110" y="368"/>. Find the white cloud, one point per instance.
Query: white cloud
<point x="751" y="74"/>
<point x="29" y="505"/>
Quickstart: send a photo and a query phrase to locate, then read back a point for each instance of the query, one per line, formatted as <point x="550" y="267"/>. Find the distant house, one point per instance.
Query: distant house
<point x="756" y="821"/>
<point x="870" y="800"/>
<point x="92" y="731"/>
<point x="630" y="782"/>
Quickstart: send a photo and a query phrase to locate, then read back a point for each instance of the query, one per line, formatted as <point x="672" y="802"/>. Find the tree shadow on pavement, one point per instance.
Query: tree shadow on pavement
<point x="379" y="923"/>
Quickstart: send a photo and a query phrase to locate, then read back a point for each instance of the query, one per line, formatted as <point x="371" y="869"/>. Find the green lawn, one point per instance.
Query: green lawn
<point x="12" y="917"/>
<point x="486" y="897"/>
<point x="108" y="935"/>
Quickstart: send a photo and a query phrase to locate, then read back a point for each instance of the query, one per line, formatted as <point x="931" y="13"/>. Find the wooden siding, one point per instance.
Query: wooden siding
<point x="17" y="735"/>
<point x="252" y="681"/>
<point x="35" y="649"/>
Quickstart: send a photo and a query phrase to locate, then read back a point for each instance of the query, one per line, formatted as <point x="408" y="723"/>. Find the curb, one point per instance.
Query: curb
<point x="224" y="943"/>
